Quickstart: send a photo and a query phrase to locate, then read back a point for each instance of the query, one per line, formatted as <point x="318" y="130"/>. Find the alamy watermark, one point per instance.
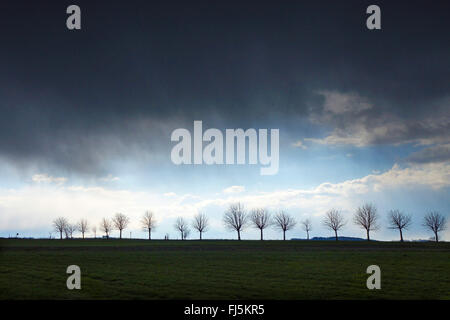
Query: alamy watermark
<point x="374" y="280"/>
<point x="74" y="280"/>
<point x="208" y="147"/>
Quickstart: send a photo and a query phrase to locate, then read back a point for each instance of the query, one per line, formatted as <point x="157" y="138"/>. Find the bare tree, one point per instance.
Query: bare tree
<point x="186" y="233"/>
<point x="82" y="226"/>
<point x="66" y="232"/>
<point x="94" y="230"/>
<point x="284" y="222"/>
<point x="367" y="218"/>
<point x="260" y="219"/>
<point x="69" y="230"/>
<point x="235" y="218"/>
<point x="120" y="222"/>
<point x="399" y="220"/>
<point x="182" y="226"/>
<point x="436" y="222"/>
<point x="106" y="226"/>
<point x="307" y="226"/>
<point x="334" y="220"/>
<point x="148" y="223"/>
<point x="200" y="223"/>
<point x="60" y="224"/>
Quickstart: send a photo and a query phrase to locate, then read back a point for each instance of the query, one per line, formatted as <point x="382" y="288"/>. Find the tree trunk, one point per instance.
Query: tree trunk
<point x="401" y="236"/>
<point x="307" y="235"/>
<point x="436" y="236"/>
<point x="261" y="234"/>
<point x="239" y="235"/>
<point x="284" y="234"/>
<point x="83" y="234"/>
<point x="200" y="235"/>
<point x="120" y="237"/>
<point x="60" y="235"/>
<point x="335" y="234"/>
<point x="149" y="233"/>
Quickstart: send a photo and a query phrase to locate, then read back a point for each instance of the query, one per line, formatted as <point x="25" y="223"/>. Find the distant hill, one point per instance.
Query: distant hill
<point x="333" y="238"/>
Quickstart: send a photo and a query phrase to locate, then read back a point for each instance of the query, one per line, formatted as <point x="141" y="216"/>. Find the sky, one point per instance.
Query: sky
<point x="87" y="115"/>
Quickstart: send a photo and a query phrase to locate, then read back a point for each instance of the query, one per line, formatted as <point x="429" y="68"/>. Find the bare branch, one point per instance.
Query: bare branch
<point x="367" y="218"/>
<point x="148" y="222"/>
<point x="82" y="226"/>
<point x="260" y="219"/>
<point x="200" y="223"/>
<point x="284" y="222"/>
<point x="186" y="233"/>
<point x="120" y="222"/>
<point x="399" y="220"/>
<point x="235" y="218"/>
<point x="60" y="224"/>
<point x="307" y="226"/>
<point x="183" y="227"/>
<point x="436" y="222"/>
<point x="334" y="220"/>
<point x="106" y="226"/>
<point x="69" y="230"/>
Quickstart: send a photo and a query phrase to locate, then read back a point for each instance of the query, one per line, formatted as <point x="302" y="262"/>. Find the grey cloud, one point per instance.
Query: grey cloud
<point x="354" y="120"/>
<point x="435" y="154"/>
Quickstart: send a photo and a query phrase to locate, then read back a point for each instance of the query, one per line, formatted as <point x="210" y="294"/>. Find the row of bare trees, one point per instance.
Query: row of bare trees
<point x="237" y="219"/>
<point x="367" y="218"/>
<point x="199" y="223"/>
<point x="62" y="226"/>
<point x="119" y="222"/>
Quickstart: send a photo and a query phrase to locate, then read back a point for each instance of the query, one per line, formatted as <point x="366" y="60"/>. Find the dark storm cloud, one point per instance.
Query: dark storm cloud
<point x="136" y="71"/>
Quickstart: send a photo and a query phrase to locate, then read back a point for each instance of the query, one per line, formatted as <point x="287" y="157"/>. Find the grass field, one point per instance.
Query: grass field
<point x="141" y="269"/>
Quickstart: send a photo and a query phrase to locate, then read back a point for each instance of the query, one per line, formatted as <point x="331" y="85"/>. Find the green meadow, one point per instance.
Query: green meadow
<point x="221" y="269"/>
